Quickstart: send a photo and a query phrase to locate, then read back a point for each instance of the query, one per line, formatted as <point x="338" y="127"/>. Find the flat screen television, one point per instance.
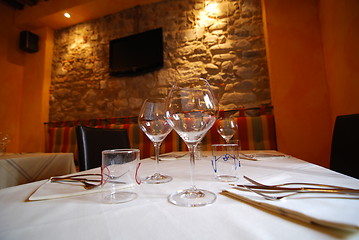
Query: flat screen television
<point x="136" y="54"/>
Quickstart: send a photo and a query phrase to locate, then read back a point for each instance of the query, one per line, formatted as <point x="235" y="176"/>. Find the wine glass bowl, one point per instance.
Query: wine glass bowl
<point x="153" y="123"/>
<point x="227" y="127"/>
<point x="192" y="110"/>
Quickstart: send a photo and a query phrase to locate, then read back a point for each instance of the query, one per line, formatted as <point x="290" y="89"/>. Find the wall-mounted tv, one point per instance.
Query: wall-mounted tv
<point x="136" y="54"/>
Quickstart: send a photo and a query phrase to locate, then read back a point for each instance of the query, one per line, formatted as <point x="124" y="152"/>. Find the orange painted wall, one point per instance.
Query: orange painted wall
<point x="25" y="81"/>
<point x="340" y="31"/>
<point x="11" y="66"/>
<point x="312" y="80"/>
<point x="36" y="87"/>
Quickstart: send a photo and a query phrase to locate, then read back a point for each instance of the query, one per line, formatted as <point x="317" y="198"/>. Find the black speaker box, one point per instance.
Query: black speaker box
<point x="29" y="42"/>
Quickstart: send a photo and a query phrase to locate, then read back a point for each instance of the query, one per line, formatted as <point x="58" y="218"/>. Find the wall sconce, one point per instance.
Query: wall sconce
<point x="208" y="15"/>
<point x="212" y="9"/>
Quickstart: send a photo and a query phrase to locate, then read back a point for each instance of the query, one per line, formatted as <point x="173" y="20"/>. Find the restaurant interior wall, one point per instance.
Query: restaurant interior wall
<point x="221" y="41"/>
<point x="11" y="78"/>
<point x="312" y="57"/>
<point x="339" y="35"/>
<point x="25" y="81"/>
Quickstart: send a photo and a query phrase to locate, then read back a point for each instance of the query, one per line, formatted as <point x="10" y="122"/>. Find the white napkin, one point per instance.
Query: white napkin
<point x="337" y="213"/>
<point x="53" y="190"/>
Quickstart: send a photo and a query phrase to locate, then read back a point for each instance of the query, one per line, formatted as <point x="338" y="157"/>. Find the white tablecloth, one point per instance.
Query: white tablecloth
<point x="23" y="168"/>
<point x="151" y="216"/>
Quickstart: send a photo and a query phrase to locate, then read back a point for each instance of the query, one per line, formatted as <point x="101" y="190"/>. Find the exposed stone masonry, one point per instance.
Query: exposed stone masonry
<point x="227" y="48"/>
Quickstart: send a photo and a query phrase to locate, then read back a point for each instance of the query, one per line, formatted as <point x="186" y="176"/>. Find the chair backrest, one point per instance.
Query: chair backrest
<point x="92" y="141"/>
<point x="345" y="143"/>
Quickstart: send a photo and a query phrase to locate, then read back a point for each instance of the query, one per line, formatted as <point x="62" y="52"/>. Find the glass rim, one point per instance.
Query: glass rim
<point x="155" y="99"/>
<point x="119" y="150"/>
<point x="188" y="80"/>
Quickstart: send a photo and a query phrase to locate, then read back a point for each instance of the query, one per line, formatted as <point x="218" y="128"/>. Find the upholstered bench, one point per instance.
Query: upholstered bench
<point x="254" y="133"/>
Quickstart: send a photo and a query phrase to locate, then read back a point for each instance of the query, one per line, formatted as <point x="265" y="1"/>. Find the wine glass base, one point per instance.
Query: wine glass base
<point x="157" y="179"/>
<point x="227" y="178"/>
<point x="192" y="198"/>
<point x="119" y="197"/>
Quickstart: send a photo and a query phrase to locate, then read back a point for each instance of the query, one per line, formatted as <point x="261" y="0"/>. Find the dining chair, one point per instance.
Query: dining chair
<point x="345" y="142"/>
<point x="92" y="141"/>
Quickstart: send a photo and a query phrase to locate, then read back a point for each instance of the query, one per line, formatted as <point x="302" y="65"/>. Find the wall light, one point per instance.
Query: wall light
<point x="212" y="8"/>
<point x="208" y="16"/>
<point x="67" y="15"/>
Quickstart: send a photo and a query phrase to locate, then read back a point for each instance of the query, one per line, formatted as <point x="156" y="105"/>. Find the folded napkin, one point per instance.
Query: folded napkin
<point x="52" y="190"/>
<point x="337" y="213"/>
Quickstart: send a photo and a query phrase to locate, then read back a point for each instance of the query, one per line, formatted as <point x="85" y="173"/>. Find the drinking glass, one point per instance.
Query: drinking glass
<point x="153" y="123"/>
<point x="191" y="111"/>
<point x="118" y="171"/>
<point x="227" y="127"/>
<point x="225" y="162"/>
<point x="4" y="140"/>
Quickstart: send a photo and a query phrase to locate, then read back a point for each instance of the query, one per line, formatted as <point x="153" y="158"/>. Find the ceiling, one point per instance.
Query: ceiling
<point x="20" y="4"/>
<point x="33" y="14"/>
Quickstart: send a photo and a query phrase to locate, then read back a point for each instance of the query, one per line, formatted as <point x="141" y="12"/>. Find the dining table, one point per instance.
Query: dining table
<point x="26" y="214"/>
<point x="21" y="168"/>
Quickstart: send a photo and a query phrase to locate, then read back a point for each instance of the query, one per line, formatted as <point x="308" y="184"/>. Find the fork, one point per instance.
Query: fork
<point x="287" y="184"/>
<point x="247" y="156"/>
<point x="85" y="182"/>
<point x="88" y="185"/>
<point x="273" y="198"/>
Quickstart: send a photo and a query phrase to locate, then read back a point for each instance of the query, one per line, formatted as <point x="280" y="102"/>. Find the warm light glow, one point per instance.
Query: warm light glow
<point x="67" y="15"/>
<point x="208" y="16"/>
<point x="212" y="8"/>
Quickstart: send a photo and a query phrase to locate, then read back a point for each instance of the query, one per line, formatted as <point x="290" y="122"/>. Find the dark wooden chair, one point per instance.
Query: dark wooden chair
<point x="92" y="141"/>
<point x="345" y="145"/>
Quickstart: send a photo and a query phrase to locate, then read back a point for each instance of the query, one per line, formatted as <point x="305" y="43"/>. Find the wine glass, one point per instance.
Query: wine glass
<point x="4" y="140"/>
<point x="227" y="127"/>
<point x="153" y="123"/>
<point x="191" y="111"/>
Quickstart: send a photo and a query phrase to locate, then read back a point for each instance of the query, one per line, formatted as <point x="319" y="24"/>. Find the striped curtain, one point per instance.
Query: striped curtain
<point x="254" y="133"/>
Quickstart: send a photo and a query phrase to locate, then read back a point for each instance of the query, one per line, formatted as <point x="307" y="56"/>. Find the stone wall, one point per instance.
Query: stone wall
<point x="225" y="46"/>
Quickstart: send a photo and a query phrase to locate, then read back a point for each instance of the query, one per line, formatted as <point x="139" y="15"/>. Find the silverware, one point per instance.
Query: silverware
<point x="294" y="183"/>
<point x="264" y="190"/>
<point x="81" y="175"/>
<point x="270" y="197"/>
<point x="171" y="155"/>
<point x="287" y="189"/>
<point x="255" y="157"/>
<point x="247" y="157"/>
<point x="85" y="182"/>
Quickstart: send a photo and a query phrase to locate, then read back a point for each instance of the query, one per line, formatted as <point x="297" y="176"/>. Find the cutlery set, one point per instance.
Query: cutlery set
<point x="266" y="190"/>
<point x="254" y="157"/>
<point x="87" y="182"/>
<point x="256" y="187"/>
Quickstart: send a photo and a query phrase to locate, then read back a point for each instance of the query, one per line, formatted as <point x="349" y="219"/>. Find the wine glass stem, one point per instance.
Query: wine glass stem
<point x="191" y="148"/>
<point x="157" y="146"/>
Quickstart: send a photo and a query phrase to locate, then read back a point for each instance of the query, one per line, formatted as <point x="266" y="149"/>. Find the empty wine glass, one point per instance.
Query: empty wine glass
<point x="227" y="127"/>
<point x="192" y="110"/>
<point x="4" y="140"/>
<point x="153" y="123"/>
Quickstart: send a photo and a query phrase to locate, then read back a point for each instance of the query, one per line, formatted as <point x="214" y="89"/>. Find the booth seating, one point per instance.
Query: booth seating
<point x="254" y="132"/>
